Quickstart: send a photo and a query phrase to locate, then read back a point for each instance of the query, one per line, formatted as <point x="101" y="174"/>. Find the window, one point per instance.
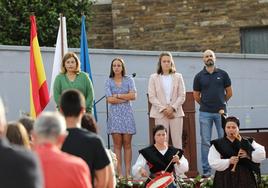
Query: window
<point x="254" y="40"/>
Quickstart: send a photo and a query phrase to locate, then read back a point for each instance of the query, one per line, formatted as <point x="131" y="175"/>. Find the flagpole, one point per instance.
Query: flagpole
<point x="39" y="95"/>
<point x="61" y="31"/>
<point x="60" y="50"/>
<point x="107" y="116"/>
<point x="84" y="56"/>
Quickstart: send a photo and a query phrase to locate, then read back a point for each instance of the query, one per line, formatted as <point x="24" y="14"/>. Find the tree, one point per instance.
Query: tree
<point x="15" y="23"/>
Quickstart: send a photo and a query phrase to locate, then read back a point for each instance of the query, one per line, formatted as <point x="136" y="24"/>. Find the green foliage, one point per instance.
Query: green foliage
<point x="264" y="181"/>
<point x="129" y="184"/>
<point x="15" y="22"/>
<point x="197" y="182"/>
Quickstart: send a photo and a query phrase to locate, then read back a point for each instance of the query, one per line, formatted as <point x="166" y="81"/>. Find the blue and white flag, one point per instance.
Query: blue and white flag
<point x="84" y="57"/>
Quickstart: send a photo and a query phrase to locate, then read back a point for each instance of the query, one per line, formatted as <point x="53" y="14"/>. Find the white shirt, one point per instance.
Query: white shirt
<point x="166" y="81"/>
<point x="141" y="162"/>
<point x="215" y="161"/>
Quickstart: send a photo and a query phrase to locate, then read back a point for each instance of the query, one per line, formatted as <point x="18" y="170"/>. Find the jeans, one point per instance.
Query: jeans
<point x="206" y="120"/>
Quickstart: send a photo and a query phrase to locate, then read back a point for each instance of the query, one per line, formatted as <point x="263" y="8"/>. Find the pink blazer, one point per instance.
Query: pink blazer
<point x="157" y="96"/>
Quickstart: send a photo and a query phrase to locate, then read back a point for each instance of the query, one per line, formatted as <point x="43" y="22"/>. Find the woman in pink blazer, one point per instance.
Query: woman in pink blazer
<point x="167" y="94"/>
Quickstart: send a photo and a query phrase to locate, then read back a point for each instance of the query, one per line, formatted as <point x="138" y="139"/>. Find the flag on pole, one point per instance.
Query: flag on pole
<point x="61" y="49"/>
<point x="39" y="96"/>
<point x="84" y="57"/>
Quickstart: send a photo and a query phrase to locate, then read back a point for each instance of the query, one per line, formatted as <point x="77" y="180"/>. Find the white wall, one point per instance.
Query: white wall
<point x="249" y="75"/>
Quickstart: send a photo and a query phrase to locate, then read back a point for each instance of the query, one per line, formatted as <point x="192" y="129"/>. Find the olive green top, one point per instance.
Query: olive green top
<point x="81" y="83"/>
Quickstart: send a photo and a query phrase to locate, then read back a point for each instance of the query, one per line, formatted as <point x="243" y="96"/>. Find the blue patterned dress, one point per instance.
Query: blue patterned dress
<point x="120" y="116"/>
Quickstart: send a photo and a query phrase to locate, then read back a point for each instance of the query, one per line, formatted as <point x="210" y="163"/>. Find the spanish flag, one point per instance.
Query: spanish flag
<point x="39" y="95"/>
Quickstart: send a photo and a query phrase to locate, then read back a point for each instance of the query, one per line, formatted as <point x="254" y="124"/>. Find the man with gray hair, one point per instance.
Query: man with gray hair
<point x="59" y="168"/>
<point x="18" y="166"/>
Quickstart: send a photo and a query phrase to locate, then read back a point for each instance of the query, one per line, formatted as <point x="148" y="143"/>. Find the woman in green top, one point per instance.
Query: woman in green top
<point x="71" y="77"/>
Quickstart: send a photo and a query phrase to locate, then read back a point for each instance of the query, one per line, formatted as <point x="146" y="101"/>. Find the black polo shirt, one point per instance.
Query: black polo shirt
<point x="212" y="88"/>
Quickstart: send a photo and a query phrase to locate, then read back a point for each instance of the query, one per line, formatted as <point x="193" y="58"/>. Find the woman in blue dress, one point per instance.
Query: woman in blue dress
<point x="120" y="90"/>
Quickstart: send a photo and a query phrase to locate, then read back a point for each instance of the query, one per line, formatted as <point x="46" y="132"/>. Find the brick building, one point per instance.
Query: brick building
<point x="230" y="26"/>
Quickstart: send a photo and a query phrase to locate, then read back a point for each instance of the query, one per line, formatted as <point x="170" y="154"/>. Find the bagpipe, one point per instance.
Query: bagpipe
<point x="243" y="143"/>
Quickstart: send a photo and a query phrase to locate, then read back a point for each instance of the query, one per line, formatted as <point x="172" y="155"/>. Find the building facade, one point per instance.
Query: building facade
<point x="231" y="26"/>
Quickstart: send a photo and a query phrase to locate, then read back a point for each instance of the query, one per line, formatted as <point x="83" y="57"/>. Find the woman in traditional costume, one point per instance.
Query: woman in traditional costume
<point x="158" y="158"/>
<point x="235" y="159"/>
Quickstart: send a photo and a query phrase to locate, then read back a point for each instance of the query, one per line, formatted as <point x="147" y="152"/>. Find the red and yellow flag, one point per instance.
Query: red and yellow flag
<point x="39" y="95"/>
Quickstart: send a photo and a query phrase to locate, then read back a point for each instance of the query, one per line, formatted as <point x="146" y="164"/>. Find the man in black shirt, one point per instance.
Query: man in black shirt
<point x="82" y="143"/>
<point x="212" y="89"/>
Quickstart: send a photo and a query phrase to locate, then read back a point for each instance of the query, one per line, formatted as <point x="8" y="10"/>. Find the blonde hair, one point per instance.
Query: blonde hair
<point x="65" y="58"/>
<point x="17" y="134"/>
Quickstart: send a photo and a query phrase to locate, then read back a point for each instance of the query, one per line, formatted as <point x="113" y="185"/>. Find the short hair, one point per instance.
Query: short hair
<point x="2" y="114"/>
<point x="210" y="51"/>
<point x="158" y="128"/>
<point x="88" y="122"/>
<point x="123" y="67"/>
<point x="232" y="119"/>
<point x="71" y="102"/>
<point x="17" y="134"/>
<point x="28" y="123"/>
<point x="67" y="56"/>
<point x="50" y="125"/>
<point x="159" y="68"/>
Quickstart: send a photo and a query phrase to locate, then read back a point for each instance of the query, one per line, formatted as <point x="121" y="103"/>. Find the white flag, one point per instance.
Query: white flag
<point x="61" y="49"/>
